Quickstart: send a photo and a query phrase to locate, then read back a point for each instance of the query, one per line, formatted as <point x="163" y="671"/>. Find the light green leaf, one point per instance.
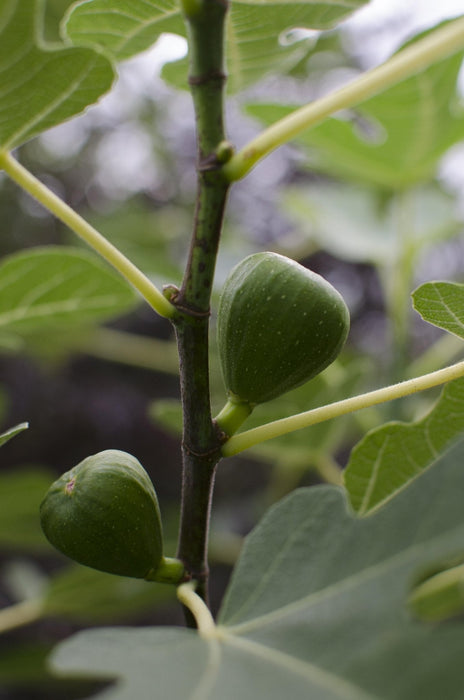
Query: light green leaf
<point x="441" y="303"/>
<point x="11" y="343"/>
<point x="83" y="594"/>
<point x="151" y="239"/>
<point x="393" y="140"/>
<point x="388" y="458"/>
<point x="168" y="414"/>
<point x="440" y="596"/>
<point x="8" y="434"/>
<point x="42" y="84"/>
<point x="58" y="286"/>
<point x="368" y="231"/>
<point x="253" y="29"/>
<point x="54" y="11"/>
<point x="20" y="495"/>
<point x="123" y="27"/>
<point x="317" y="608"/>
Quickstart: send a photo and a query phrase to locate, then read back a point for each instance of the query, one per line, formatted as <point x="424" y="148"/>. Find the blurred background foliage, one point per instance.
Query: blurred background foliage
<point x="360" y="200"/>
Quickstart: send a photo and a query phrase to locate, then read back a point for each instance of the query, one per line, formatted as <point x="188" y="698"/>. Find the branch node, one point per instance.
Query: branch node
<point x="211" y="77"/>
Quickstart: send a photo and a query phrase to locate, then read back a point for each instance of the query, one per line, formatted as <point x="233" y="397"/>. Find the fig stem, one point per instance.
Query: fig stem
<point x="232" y="415"/>
<point x="267" y="431"/>
<point x="87" y="233"/>
<point x="439" y="597"/>
<point x="205" y="23"/>
<point x="170" y="570"/>
<point x="20" y="614"/>
<point x="415" y="58"/>
<point x="187" y="595"/>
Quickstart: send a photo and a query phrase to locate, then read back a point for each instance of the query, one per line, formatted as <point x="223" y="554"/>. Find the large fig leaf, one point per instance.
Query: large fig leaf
<point x="58" y="286"/>
<point x="317" y="608"/>
<point x="42" y="85"/>
<point x="396" y="138"/>
<point x="253" y="29"/>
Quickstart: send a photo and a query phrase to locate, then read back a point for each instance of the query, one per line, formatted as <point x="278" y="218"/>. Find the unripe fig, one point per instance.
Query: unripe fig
<point x="104" y="513"/>
<point x="279" y="324"/>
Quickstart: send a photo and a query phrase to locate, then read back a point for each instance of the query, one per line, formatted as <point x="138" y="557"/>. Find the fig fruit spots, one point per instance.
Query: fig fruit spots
<point x="104" y="513"/>
<point x="279" y="324"/>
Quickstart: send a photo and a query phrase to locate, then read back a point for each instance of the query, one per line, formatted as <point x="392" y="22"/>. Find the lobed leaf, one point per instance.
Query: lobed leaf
<point x="442" y="304"/>
<point x="253" y="28"/>
<point x="317" y="608"/>
<point x="42" y="85"/>
<point x="58" y="286"/>
<point x="388" y="458"/>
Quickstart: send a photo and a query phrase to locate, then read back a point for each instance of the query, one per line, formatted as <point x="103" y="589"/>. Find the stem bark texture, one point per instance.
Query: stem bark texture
<point x="201" y="443"/>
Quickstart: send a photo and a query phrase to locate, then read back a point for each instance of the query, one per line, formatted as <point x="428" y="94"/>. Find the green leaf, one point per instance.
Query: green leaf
<point x="393" y="140"/>
<point x="83" y="594"/>
<point x="23" y="665"/>
<point x="370" y="226"/>
<point x="441" y="303"/>
<point x="317" y="608"/>
<point x="253" y="30"/>
<point x="122" y="27"/>
<point x="8" y="434"/>
<point x="42" y="84"/>
<point x="168" y="414"/>
<point x="150" y="239"/>
<point x="388" y="458"/>
<point x="54" y="11"/>
<point x="20" y="495"/>
<point x="440" y="596"/>
<point x="58" y="286"/>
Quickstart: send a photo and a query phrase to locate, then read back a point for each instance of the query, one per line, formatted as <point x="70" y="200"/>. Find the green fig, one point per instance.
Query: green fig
<point x="279" y="324"/>
<point x="104" y="513"/>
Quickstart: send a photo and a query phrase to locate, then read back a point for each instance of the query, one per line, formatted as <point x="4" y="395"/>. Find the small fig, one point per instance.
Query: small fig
<point x="104" y="513"/>
<point x="279" y="324"/>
